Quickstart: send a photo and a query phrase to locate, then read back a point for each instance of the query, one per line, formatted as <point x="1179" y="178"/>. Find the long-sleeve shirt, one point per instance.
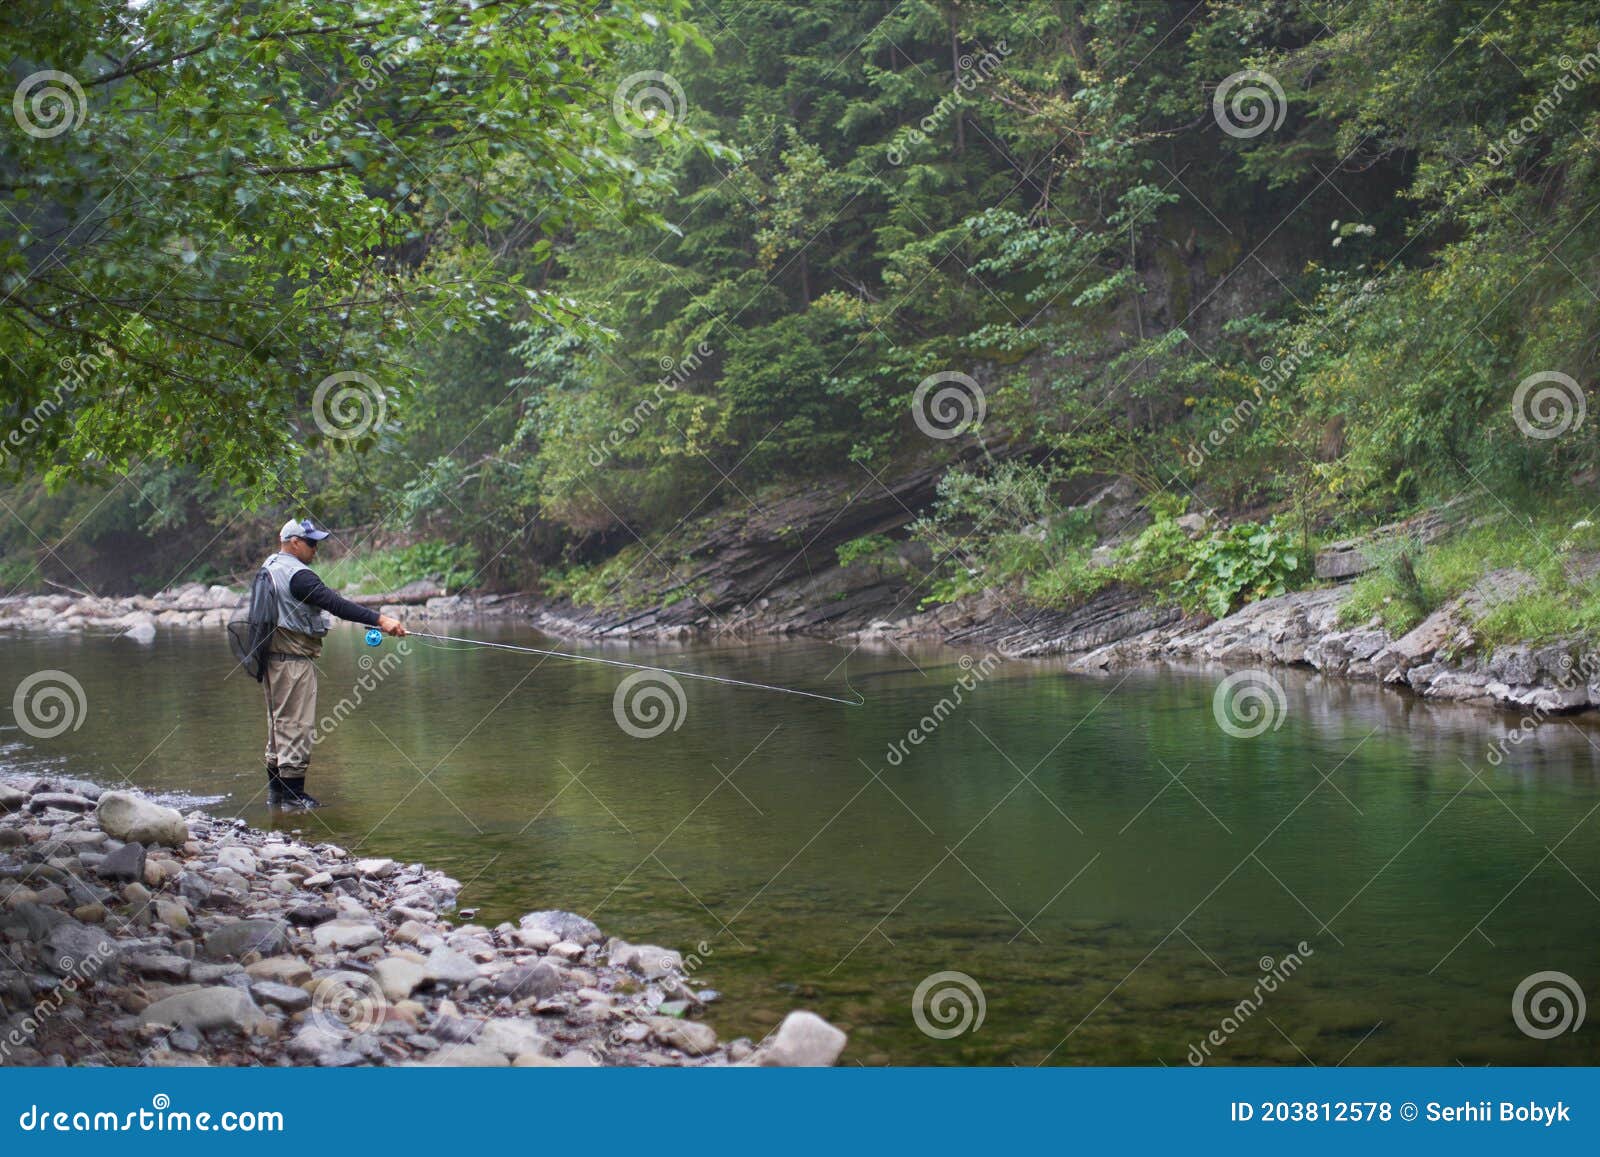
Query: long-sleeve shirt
<point x="308" y="588"/>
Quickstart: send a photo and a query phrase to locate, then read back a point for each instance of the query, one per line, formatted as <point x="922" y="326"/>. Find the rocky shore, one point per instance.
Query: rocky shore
<point x="196" y="605"/>
<point x="133" y="934"/>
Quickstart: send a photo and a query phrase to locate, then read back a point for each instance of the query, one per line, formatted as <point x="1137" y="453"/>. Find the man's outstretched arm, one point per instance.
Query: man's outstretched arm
<point x="308" y="588"/>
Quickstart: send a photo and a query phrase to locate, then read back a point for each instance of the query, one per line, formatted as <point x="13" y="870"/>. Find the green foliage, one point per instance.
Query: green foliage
<point x="453" y="566"/>
<point x="235" y="200"/>
<point x="869" y="547"/>
<point x="1243" y="563"/>
<point x="1558" y="550"/>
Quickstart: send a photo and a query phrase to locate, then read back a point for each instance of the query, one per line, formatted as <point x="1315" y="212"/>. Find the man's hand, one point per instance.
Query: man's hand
<point x="391" y="626"/>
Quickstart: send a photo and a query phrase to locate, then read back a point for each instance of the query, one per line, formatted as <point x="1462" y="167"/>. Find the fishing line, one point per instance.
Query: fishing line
<point x="858" y="701"/>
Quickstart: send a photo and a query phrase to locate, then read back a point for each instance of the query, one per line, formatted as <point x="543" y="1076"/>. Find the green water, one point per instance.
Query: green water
<point x="1036" y="841"/>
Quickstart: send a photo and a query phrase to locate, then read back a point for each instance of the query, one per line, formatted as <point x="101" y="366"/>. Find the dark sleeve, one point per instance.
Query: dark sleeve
<point x="308" y="588"/>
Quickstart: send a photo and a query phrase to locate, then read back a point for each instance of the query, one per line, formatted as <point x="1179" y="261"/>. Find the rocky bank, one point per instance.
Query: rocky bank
<point x="132" y="934"/>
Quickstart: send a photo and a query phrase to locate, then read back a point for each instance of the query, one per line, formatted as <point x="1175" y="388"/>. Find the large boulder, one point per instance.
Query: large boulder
<point x="803" y="1040"/>
<point x="536" y="980"/>
<point x="126" y="816"/>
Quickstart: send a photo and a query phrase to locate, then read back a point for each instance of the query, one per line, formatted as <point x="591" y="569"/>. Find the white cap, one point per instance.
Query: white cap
<point x="301" y="528"/>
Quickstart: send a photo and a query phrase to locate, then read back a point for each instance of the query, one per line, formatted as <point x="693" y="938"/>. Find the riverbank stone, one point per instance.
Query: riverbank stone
<point x="126" y="863"/>
<point x="803" y="1040"/>
<point x="267" y="936"/>
<point x="219" y="1007"/>
<point x="130" y="817"/>
<point x="565" y="925"/>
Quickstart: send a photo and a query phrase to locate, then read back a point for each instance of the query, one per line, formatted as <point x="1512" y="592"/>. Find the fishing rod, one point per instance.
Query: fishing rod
<point x="375" y="637"/>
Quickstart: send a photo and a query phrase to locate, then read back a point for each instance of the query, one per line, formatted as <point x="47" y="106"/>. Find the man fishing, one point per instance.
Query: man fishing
<point x="289" y="671"/>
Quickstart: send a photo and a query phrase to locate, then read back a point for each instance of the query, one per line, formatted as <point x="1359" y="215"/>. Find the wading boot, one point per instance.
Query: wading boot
<point x="275" y="796"/>
<point x="294" y="793"/>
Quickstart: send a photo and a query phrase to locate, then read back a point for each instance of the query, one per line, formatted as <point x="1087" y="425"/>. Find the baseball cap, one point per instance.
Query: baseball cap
<point x="301" y="528"/>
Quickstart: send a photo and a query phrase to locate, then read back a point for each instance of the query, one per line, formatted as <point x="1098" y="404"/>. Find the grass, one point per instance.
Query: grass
<point x="1412" y="581"/>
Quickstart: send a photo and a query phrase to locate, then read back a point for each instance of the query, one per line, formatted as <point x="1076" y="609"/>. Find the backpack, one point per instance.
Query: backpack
<point x="250" y="637"/>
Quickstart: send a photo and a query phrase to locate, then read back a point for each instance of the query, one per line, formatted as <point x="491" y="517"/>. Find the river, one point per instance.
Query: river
<point x="1055" y="869"/>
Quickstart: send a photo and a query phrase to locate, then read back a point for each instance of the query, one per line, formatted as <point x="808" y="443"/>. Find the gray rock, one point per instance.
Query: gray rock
<point x="345" y="934"/>
<point x="285" y="996"/>
<point x="131" y="817"/>
<point x="201" y="972"/>
<point x="536" y="980"/>
<point x="11" y="799"/>
<point x="691" y="1036"/>
<point x="565" y="925"/>
<point x="266" y="936"/>
<point x="126" y="863"/>
<point x="64" y="800"/>
<point x="447" y="966"/>
<point x="158" y="965"/>
<point x="514" y="1037"/>
<point x="219" y="1007"/>
<point x="310" y="915"/>
<point x="803" y="1040"/>
<point x="71" y="947"/>
<point x="648" y="960"/>
<point x="398" y="977"/>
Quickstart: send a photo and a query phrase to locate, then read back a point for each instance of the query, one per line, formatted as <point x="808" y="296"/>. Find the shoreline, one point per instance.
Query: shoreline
<point x="1437" y="660"/>
<point x="138" y="935"/>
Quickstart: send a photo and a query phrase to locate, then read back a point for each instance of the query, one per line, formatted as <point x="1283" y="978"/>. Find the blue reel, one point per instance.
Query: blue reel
<point x="374" y="636"/>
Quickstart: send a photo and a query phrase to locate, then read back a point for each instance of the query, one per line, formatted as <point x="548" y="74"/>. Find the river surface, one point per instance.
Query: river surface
<point x="1093" y="864"/>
